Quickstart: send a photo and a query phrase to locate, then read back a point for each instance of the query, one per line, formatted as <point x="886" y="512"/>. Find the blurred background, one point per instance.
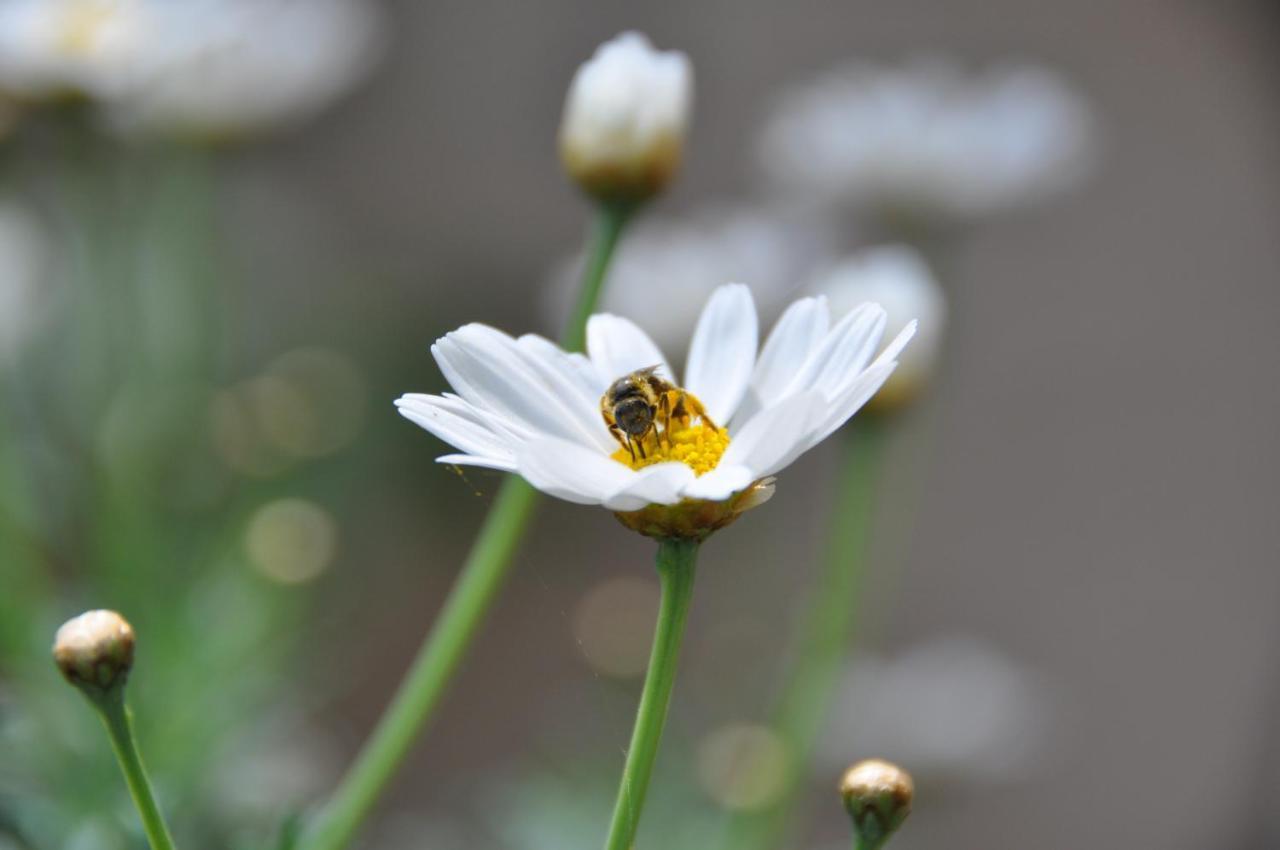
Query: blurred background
<point x="211" y="292"/>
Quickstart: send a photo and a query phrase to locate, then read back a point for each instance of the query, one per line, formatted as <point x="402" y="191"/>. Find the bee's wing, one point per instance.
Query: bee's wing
<point x="649" y="375"/>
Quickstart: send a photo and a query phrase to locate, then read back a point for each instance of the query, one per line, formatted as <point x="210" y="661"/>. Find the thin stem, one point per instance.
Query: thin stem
<point x="119" y="722"/>
<point x="676" y="566"/>
<point x="604" y="239"/>
<point x="469" y="601"/>
<point x="827" y="627"/>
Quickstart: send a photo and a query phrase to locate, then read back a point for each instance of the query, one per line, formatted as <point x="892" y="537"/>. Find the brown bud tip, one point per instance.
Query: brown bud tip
<point x="878" y="796"/>
<point x="95" y="650"/>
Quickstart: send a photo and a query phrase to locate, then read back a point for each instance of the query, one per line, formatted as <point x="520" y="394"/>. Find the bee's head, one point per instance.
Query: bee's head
<point x="634" y="415"/>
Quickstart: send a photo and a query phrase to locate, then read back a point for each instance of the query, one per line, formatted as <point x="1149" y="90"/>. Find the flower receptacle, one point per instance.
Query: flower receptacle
<point x="695" y="519"/>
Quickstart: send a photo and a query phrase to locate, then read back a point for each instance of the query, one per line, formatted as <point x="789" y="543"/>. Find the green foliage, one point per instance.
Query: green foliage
<point x="115" y="493"/>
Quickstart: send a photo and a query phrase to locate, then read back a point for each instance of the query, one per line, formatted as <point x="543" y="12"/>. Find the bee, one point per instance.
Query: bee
<point x="636" y="404"/>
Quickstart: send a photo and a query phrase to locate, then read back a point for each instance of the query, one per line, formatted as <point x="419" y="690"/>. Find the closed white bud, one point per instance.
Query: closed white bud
<point x="625" y="119"/>
<point x="95" y="651"/>
<point x="878" y="796"/>
<point x="898" y="279"/>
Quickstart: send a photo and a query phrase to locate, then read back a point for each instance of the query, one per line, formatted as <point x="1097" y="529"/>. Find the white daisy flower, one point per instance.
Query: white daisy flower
<point x="672" y="461"/>
<point x="625" y="118"/>
<point x="928" y="137"/>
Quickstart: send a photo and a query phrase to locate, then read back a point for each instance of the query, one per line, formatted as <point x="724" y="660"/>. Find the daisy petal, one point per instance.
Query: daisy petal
<point x="860" y="391"/>
<point x="854" y="350"/>
<point x="723" y="351"/>
<point x="776" y="435"/>
<point x="618" y="347"/>
<point x="476" y="460"/>
<point x="659" y="484"/>
<point x="841" y="409"/>
<point x="440" y="417"/>
<point x="796" y="335"/>
<point x="503" y="428"/>
<point x="843" y="353"/>
<point x="893" y="349"/>
<point x="571" y="471"/>
<point x="487" y="369"/>
<point x="564" y="377"/>
<point x="575" y="363"/>
<point x="720" y="483"/>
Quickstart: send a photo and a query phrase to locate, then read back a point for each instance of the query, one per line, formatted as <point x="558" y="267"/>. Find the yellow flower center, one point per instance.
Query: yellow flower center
<point x="695" y="444"/>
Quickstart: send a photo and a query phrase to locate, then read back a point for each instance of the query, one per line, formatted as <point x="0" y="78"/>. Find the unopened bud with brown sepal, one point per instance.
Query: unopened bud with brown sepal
<point x="95" y="651"/>
<point x="878" y="796"/>
<point x="625" y="120"/>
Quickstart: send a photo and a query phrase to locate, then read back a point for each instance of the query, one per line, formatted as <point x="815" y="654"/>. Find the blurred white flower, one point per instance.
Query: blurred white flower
<point x="54" y="48"/>
<point x="26" y="252"/>
<point x="928" y="138"/>
<point x="197" y="67"/>
<point x="675" y="263"/>
<point x="231" y="67"/>
<point x="625" y="118"/>
<point x="954" y="708"/>
<point x="898" y="279"/>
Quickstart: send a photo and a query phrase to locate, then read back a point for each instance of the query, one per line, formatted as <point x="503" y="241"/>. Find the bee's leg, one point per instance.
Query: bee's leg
<point x="623" y="439"/>
<point x="680" y="411"/>
<point x="664" y="414"/>
<point x="700" y="411"/>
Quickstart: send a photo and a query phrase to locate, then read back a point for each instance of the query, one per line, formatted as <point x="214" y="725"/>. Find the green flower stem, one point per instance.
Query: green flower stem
<point x="676" y="566"/>
<point x="119" y="722"/>
<point x="604" y="238"/>
<point x="469" y="601"/>
<point x="861" y="843"/>
<point x="827" y="627"/>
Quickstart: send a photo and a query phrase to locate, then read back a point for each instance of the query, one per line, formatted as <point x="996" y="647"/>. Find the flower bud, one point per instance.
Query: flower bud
<point x="878" y="796"/>
<point x="95" y="651"/>
<point x="625" y="117"/>
<point x="898" y="279"/>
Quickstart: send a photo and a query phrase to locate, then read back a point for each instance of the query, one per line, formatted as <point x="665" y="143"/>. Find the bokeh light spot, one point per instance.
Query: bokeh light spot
<point x="291" y="541"/>
<point x="743" y="766"/>
<point x="613" y="624"/>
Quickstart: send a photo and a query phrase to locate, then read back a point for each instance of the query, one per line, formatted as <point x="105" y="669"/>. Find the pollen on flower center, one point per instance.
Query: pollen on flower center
<point x="655" y="421"/>
<point x="698" y="446"/>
